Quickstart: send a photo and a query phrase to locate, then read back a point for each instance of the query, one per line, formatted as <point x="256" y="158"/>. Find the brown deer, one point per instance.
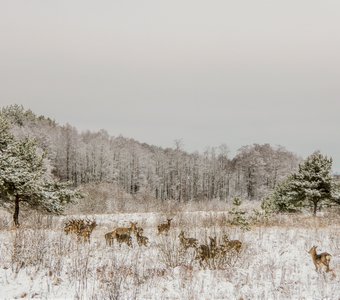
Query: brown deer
<point x="320" y="260"/>
<point x="187" y="242"/>
<point x="124" y="238"/>
<point x="82" y="228"/>
<point x="141" y="239"/>
<point x="86" y="230"/>
<point x="165" y="227"/>
<point x="229" y="245"/>
<point x="73" y="225"/>
<point x="213" y="247"/>
<point x="110" y="236"/>
<point x="206" y="252"/>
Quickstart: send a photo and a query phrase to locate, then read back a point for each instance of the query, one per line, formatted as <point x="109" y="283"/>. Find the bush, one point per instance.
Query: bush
<point x="238" y="216"/>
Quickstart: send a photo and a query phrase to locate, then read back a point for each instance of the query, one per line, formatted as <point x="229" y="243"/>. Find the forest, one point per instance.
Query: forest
<point x="149" y="171"/>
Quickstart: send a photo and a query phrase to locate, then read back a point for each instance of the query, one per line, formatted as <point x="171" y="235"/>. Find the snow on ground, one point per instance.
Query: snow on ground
<point x="44" y="263"/>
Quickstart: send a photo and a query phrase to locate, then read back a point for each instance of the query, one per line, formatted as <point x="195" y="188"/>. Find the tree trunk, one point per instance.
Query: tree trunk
<point x="315" y="207"/>
<point x="16" y="211"/>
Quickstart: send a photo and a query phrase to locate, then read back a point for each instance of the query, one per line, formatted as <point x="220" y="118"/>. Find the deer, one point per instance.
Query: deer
<point x="73" y="225"/>
<point x="187" y="242"/>
<point x="206" y="252"/>
<point x="86" y="230"/>
<point x="82" y="228"/>
<point x="141" y="240"/>
<point x="320" y="260"/>
<point x="165" y="227"/>
<point x="110" y="236"/>
<point x="124" y="238"/>
<point x="229" y="245"/>
<point x="213" y="247"/>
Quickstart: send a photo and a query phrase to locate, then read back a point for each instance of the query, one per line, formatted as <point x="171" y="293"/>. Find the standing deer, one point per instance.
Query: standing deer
<point x="141" y="239"/>
<point x="86" y="230"/>
<point x="73" y="225"/>
<point x="82" y="228"/>
<point x="206" y="252"/>
<point x="187" y="242"/>
<point x="320" y="260"/>
<point x="229" y="245"/>
<point x="213" y="247"/>
<point x="124" y="238"/>
<point x="110" y="236"/>
<point x="165" y="227"/>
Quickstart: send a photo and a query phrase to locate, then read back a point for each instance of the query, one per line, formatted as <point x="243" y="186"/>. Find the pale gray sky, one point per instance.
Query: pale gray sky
<point x="208" y="72"/>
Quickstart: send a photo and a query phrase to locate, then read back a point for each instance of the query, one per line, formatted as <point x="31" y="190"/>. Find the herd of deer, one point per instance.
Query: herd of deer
<point x="206" y="252"/>
<point x="123" y="235"/>
<point x="83" y="229"/>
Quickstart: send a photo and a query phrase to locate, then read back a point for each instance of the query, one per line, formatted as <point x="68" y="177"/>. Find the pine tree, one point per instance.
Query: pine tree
<point x="314" y="182"/>
<point x="312" y="186"/>
<point x="24" y="176"/>
<point x="283" y="198"/>
<point x="239" y="215"/>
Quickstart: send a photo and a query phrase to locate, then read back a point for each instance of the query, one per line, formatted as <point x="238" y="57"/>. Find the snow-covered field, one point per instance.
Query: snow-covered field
<point x="39" y="261"/>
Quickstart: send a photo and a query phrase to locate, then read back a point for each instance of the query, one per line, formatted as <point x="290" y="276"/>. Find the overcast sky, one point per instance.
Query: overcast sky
<point x="208" y="72"/>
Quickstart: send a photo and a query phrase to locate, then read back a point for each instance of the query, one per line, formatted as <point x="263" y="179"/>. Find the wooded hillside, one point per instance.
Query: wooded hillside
<point x="151" y="171"/>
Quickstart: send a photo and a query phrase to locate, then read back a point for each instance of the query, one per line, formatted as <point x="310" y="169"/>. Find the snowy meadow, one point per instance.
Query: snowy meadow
<point x="39" y="261"/>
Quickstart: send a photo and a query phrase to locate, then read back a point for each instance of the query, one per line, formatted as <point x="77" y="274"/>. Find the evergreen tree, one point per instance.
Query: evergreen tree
<point x="239" y="215"/>
<point x="25" y="176"/>
<point x="312" y="186"/>
<point x="314" y="181"/>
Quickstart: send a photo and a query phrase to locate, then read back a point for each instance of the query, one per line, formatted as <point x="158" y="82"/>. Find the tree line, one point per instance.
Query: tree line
<point x="151" y="171"/>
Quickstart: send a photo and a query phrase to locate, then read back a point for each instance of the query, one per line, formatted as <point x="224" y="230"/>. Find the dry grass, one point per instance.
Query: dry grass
<point x="272" y="263"/>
